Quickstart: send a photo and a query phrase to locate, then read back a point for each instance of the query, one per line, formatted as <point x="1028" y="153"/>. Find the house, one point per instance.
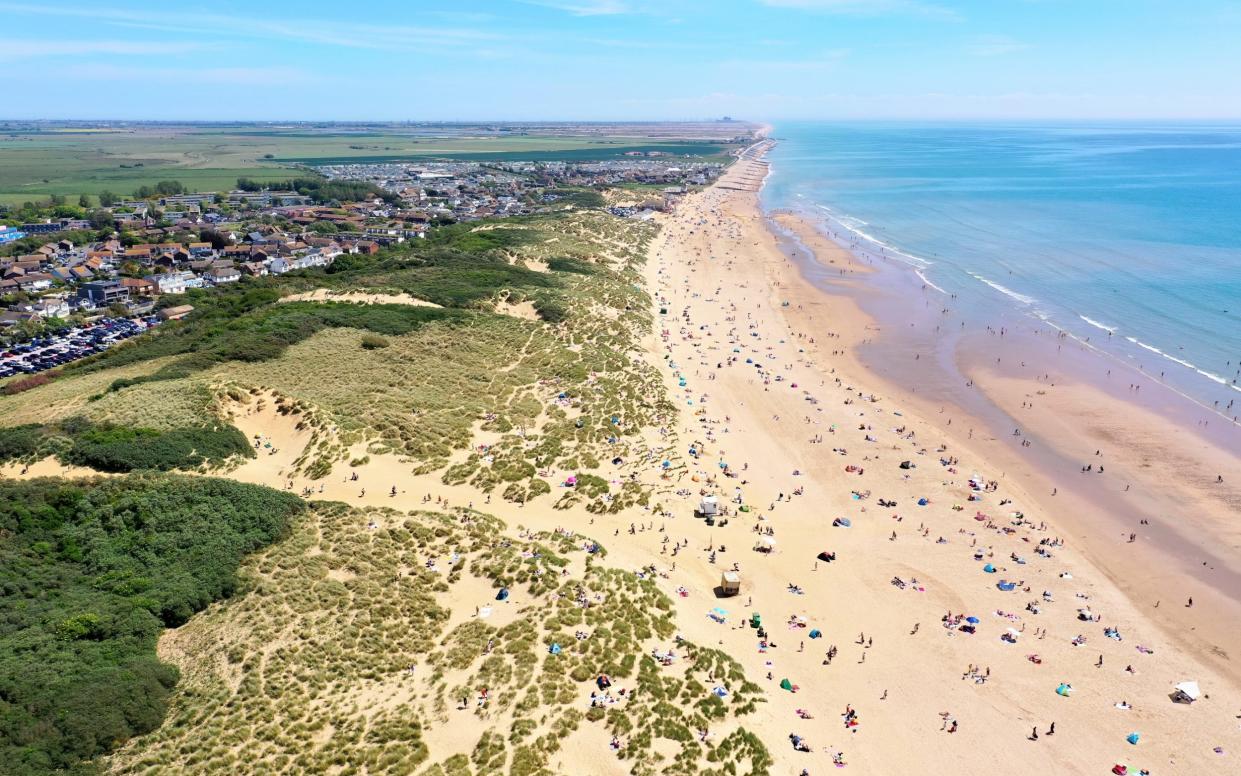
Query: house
<point x="220" y="275"/>
<point x="200" y="249"/>
<point x="168" y="283"/>
<point x="192" y="280"/>
<point x="51" y="307"/>
<point x="35" y="281"/>
<point x="102" y="293"/>
<point x="254" y="268"/>
<point x="139" y="286"/>
<point x="13" y="317"/>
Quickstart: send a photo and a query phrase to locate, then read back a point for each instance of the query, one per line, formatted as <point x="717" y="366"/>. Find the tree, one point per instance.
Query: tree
<point x="218" y="241"/>
<point x="107" y="198"/>
<point x="100" y="219"/>
<point x="83" y="201"/>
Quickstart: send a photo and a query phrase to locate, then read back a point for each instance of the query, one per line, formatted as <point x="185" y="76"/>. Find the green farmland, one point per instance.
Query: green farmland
<point x="38" y="161"/>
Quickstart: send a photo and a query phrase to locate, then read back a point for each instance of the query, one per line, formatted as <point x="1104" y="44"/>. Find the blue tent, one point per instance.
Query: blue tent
<point x="1006" y="586"/>
<point x="989" y="568"/>
<point x="816" y="633"/>
<point x="555" y="650"/>
<point x="502" y="595"/>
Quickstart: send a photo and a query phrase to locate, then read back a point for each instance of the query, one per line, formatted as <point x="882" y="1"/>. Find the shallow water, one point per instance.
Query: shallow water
<point x="1127" y="236"/>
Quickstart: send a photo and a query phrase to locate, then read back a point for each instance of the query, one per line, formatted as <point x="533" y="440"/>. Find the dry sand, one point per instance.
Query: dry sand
<point x="357" y="297"/>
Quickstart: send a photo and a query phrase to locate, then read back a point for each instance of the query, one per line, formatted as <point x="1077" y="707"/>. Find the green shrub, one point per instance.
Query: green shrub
<point x="123" y="449"/>
<point x="124" y="559"/>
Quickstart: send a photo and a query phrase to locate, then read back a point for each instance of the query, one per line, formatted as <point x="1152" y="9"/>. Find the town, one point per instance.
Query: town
<point x="77" y="279"/>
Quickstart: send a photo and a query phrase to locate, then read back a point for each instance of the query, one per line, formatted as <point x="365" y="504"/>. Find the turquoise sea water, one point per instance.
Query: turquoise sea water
<point x="1127" y="228"/>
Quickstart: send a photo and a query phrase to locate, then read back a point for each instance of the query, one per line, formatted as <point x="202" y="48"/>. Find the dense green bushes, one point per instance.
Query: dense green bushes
<point x="90" y="572"/>
<point x="110" y="448"/>
<point x="124" y="449"/>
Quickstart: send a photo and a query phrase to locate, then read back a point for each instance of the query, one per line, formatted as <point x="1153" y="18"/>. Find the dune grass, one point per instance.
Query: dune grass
<point x="311" y="670"/>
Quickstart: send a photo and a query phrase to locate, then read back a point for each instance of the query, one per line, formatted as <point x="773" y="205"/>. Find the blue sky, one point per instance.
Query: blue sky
<point x="622" y="59"/>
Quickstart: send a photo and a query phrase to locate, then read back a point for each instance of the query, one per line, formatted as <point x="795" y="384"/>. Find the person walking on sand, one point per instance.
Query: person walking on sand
<point x="1051" y="731"/>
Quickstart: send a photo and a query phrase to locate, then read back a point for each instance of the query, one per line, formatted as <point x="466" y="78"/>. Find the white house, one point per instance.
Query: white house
<point x="169" y="283"/>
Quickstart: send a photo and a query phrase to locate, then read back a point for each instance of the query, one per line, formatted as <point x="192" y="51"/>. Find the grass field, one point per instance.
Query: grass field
<point x="35" y="164"/>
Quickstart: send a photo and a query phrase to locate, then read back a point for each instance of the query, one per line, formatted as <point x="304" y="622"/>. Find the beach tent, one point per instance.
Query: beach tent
<point x="1006" y="586"/>
<point x="923" y="501"/>
<point x="827" y="556"/>
<point x="502" y="595"/>
<point x="816" y="633"/>
<point x="989" y="568"/>
<point x="555" y="649"/>
<point x="756" y="620"/>
<point x="1133" y="738"/>
<point x="785" y="684"/>
<point x="1186" y="692"/>
<point x="972" y="620"/>
<point x="1064" y="690"/>
<point x="842" y="521"/>
<point x="730" y="583"/>
<point x="906" y="465"/>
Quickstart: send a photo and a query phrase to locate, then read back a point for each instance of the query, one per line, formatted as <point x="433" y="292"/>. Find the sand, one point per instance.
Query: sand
<point x="357" y="297"/>
<point x="731" y="295"/>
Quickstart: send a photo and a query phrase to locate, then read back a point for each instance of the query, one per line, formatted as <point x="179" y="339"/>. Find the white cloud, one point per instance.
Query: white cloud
<point x="995" y="46"/>
<point x="866" y="7"/>
<point x="331" y="33"/>
<point x="13" y="49"/>
<point x="216" y="76"/>
<point x="585" y="7"/>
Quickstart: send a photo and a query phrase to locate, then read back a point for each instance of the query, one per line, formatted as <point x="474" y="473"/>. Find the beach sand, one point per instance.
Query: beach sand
<point x="761" y="363"/>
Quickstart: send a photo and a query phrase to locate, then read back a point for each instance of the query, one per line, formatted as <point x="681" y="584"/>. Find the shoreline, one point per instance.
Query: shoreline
<point x="1187" y="548"/>
<point x="811" y="420"/>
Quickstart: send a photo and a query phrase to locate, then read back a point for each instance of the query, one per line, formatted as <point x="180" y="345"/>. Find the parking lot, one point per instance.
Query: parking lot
<point x="50" y="351"/>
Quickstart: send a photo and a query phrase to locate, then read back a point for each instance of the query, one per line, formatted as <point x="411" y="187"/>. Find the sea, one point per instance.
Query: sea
<point x="1125" y="236"/>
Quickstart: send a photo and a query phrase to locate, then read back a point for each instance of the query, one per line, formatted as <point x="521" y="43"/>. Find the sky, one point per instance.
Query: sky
<point x="608" y="60"/>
